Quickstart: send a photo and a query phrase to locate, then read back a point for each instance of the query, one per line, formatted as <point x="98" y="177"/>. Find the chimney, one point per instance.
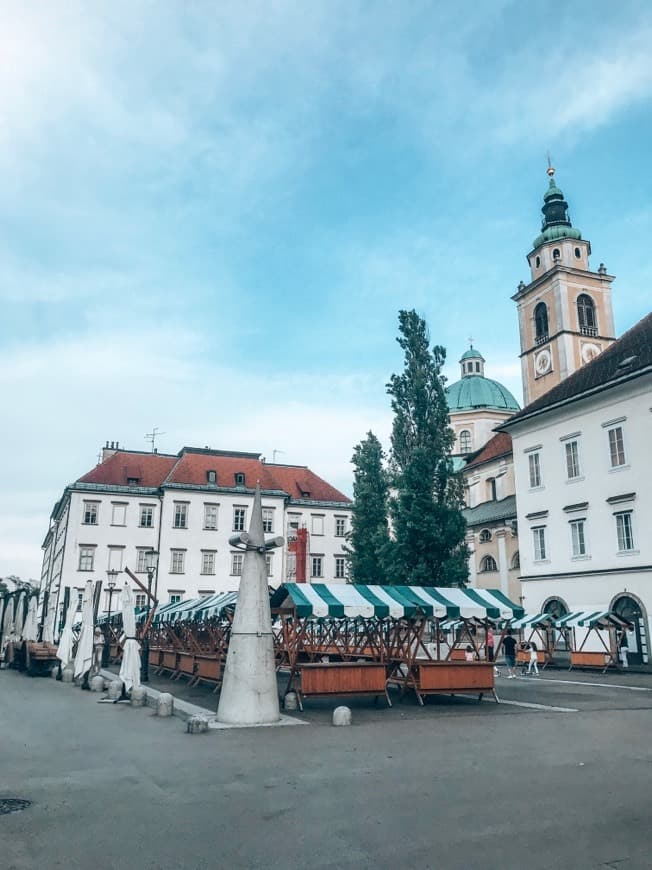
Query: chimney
<point x="108" y="450"/>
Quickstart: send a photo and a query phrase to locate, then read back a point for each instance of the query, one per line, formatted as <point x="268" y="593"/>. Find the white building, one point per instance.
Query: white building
<point x="187" y="506"/>
<point x="584" y="488"/>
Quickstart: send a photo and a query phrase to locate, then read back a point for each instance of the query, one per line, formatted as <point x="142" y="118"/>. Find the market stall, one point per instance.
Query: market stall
<point x="593" y="637"/>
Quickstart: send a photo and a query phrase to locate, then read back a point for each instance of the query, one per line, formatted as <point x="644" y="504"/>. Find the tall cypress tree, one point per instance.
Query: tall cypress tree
<point x="369" y="535"/>
<point x="427" y="496"/>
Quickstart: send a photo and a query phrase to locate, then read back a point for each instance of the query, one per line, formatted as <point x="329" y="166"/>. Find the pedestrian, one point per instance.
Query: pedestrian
<point x="510" y="654"/>
<point x="469" y="655"/>
<point x="489" y="644"/>
<point x="624" y="648"/>
<point x="534" y="661"/>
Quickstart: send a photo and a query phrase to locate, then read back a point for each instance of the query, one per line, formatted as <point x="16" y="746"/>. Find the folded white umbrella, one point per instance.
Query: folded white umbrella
<point x="84" y="654"/>
<point x="130" y="667"/>
<point x="8" y="622"/>
<point x="48" y="625"/>
<point x="30" y="629"/>
<point x="64" y="651"/>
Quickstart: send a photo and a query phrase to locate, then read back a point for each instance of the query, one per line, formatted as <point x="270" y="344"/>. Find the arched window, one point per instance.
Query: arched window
<point x="586" y="315"/>
<point x="488" y="564"/>
<point x="485" y="536"/>
<point x="555" y="607"/>
<point x="541" y="322"/>
<point x="516" y="561"/>
<point x="556" y="254"/>
<point x="465" y="441"/>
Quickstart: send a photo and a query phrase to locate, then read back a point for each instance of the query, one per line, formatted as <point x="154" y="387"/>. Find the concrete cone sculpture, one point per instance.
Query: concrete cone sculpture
<point x="249" y="693"/>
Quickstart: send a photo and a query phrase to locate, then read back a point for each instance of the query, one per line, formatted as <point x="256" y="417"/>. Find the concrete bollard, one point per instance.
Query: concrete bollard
<point x="138" y="696"/>
<point x="165" y="704"/>
<point x="115" y="690"/>
<point x="67" y="675"/>
<point x="342" y="716"/>
<point x="54" y="673"/>
<point x="97" y="683"/>
<point x="291" y="702"/>
<point x="196" y="725"/>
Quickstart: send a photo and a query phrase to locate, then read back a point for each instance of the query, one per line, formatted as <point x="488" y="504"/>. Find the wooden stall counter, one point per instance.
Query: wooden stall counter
<point x="590" y="660"/>
<point x="447" y="678"/>
<point x="340" y="678"/>
<point x="40" y="658"/>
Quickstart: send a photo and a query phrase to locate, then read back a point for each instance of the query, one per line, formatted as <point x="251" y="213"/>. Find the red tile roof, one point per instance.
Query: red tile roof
<point x="150" y="469"/>
<point x="499" y="445"/>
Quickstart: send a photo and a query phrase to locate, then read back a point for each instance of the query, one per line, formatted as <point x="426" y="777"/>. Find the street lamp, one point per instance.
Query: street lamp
<point x="106" y="653"/>
<point x="151" y="561"/>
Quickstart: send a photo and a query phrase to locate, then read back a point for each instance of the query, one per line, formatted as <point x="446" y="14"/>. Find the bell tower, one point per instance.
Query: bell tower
<point x="564" y="314"/>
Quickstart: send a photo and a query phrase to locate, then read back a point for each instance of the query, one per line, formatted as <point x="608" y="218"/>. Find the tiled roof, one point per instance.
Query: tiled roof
<point x="499" y="445"/>
<point x="491" y="511"/>
<point x="626" y="358"/>
<point x="191" y="468"/>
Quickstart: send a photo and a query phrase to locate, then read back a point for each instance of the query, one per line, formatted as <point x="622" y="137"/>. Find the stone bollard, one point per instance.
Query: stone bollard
<point x="115" y="690"/>
<point x="97" y="683"/>
<point x="197" y="725"/>
<point x="342" y="716"/>
<point x="54" y="673"/>
<point x="67" y="675"/>
<point x="138" y="696"/>
<point x="291" y="702"/>
<point x="165" y="704"/>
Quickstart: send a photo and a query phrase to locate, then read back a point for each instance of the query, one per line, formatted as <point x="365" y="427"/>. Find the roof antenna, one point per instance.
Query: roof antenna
<point x="152" y="436"/>
<point x="274" y="452"/>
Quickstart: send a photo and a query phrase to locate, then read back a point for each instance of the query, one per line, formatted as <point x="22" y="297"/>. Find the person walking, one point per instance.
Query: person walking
<point x="534" y="661"/>
<point x="510" y="654"/>
<point x="624" y="649"/>
<point x="489" y="644"/>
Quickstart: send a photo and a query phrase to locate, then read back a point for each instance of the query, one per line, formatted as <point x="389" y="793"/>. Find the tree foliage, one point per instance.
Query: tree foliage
<point x="369" y="535"/>
<point x="425" y="507"/>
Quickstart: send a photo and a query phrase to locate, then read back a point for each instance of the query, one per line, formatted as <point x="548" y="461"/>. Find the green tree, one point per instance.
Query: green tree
<point x="427" y="496"/>
<point x="369" y="536"/>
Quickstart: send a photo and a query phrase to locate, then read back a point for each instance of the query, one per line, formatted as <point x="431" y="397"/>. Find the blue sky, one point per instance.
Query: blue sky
<point x="211" y="213"/>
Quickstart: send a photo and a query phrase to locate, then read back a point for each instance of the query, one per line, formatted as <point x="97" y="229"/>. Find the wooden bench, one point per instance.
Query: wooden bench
<point x="340" y="678"/>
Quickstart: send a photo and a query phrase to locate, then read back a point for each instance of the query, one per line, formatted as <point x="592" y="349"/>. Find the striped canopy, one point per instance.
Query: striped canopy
<point x="345" y="600"/>
<point x="588" y="619"/>
<point x="196" y="608"/>
<point x="532" y="621"/>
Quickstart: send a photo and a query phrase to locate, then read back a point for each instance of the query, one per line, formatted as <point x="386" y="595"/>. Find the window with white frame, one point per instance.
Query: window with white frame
<point x="140" y="599"/>
<point x="466" y="442"/>
<point x="340" y="527"/>
<point x="208" y="561"/>
<point x="572" y="459"/>
<point x="269" y="563"/>
<point x="236" y="563"/>
<point x="317" y="566"/>
<point x="146" y="516"/>
<point x="180" y="515"/>
<point x="119" y="513"/>
<point x="115" y="558"/>
<point x="539" y="541"/>
<point x="90" y="513"/>
<point x="578" y="538"/>
<point x="239" y="519"/>
<point x="86" y="558"/>
<point x="141" y="560"/>
<point x="616" y="447"/>
<point x="340" y="567"/>
<point x="534" y="466"/>
<point x="177" y="561"/>
<point x="176" y="597"/>
<point x="317" y="524"/>
<point x="268" y="520"/>
<point x="291" y="565"/>
<point x="624" y="531"/>
<point x="488" y="563"/>
<point x="210" y="516"/>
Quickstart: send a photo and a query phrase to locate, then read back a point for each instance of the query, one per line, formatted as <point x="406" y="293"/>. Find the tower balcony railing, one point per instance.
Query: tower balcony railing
<point x="589" y="330"/>
<point x="541" y="339"/>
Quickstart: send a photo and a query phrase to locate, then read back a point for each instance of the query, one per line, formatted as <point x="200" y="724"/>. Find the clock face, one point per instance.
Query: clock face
<point x="542" y="362"/>
<point x="589" y="352"/>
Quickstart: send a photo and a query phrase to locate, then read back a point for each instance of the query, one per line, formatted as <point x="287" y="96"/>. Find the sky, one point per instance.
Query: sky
<point x="211" y="214"/>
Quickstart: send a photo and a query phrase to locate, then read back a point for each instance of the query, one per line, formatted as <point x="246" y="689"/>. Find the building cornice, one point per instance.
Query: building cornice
<point x="574" y="332"/>
<point x="570" y="575"/>
<point x="558" y="269"/>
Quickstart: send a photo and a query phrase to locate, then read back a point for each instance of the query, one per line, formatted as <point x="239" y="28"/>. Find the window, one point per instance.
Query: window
<point x="541" y="323"/>
<point x="211" y="477"/>
<point x="268" y="520"/>
<point x="236" y="563"/>
<point x="115" y="558"/>
<point x="317" y="523"/>
<point x="465" y="441"/>
<point x="239" y="519"/>
<point x="488" y="564"/>
<point x="208" y="562"/>
<point x="133" y="481"/>
<point x="586" y="315"/>
<point x="477" y="367"/>
<point x="210" y="516"/>
<point x="90" y="513"/>
<point x="539" y="538"/>
<point x="239" y="478"/>
<point x="516" y="561"/>
<point x="146" y="516"/>
<point x="534" y="464"/>
<point x="624" y="531"/>
<point x="537" y="262"/>
<point x="180" y="515"/>
<point x="140" y="600"/>
<point x="578" y="253"/>
<point x="141" y="561"/>
<point x="291" y="565"/>
<point x="86" y="558"/>
<point x="175" y="597"/>
<point x="485" y="536"/>
<point x="317" y="566"/>
<point x="177" y="561"/>
<point x="572" y="460"/>
<point x="340" y="527"/>
<point x="80" y="599"/>
<point x="578" y="538"/>
<point x="491" y="488"/>
<point x="269" y="562"/>
<point x="556" y="254"/>
<point x="118" y="514"/>
<point x="340" y="568"/>
<point x="616" y="447"/>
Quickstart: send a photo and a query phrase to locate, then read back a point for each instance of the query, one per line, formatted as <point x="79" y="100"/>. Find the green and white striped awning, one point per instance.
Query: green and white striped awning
<point x="204" y="607"/>
<point x="532" y="621"/>
<point x="588" y="619"/>
<point x="345" y="600"/>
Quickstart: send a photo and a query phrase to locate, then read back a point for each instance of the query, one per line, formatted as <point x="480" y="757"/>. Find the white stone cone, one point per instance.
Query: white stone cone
<point x="249" y="693"/>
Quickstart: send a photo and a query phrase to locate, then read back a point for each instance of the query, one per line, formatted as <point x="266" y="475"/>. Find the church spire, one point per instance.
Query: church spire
<point x="556" y="223"/>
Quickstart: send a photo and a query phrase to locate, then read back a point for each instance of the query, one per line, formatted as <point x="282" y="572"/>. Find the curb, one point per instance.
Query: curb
<point x="181" y="709"/>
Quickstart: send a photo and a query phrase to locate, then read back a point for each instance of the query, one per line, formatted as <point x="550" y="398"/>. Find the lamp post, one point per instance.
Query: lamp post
<point x="110" y="585"/>
<point x="151" y="562"/>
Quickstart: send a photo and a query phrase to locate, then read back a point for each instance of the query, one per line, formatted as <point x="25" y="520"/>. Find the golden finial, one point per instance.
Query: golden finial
<point x="551" y="169"/>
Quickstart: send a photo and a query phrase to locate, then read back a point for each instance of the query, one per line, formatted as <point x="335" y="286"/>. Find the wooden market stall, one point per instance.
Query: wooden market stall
<point x="593" y="638"/>
<point x="536" y="628"/>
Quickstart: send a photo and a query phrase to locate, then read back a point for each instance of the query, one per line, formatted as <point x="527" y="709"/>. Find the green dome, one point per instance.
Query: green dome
<point x="474" y="391"/>
<point x="471" y="353"/>
<point x="556" y="222"/>
<point x="551" y="234"/>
